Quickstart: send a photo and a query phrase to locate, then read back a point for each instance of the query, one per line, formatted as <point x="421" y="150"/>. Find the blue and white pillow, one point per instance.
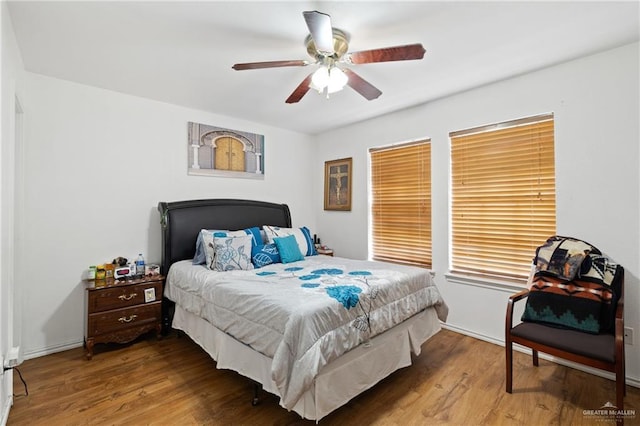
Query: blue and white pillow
<point x="302" y="236"/>
<point x="200" y="257"/>
<point x="232" y="253"/>
<point x="264" y="255"/>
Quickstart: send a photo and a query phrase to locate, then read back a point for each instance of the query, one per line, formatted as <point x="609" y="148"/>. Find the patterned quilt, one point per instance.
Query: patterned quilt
<point x="305" y="314"/>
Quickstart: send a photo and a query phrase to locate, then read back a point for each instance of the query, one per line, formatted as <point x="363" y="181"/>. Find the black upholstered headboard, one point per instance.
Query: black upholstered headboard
<point x="182" y="220"/>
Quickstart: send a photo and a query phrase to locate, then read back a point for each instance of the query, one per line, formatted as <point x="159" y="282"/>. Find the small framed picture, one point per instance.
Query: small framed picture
<point x="337" y="184"/>
<point x="149" y="295"/>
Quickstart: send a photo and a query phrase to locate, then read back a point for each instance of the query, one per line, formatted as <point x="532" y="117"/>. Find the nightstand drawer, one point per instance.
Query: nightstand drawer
<point x="108" y="321"/>
<point x="122" y="296"/>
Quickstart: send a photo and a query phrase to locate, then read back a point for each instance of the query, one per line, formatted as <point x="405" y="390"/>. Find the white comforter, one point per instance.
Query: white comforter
<point x="285" y="311"/>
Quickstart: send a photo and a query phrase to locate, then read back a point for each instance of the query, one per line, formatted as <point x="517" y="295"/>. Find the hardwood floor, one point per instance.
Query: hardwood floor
<point x="456" y="380"/>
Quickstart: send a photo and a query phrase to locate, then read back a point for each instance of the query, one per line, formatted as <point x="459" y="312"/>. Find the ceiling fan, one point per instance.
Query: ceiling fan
<point x="328" y="47"/>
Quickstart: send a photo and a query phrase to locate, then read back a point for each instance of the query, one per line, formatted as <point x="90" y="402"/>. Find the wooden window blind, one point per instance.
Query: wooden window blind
<point x="503" y="203"/>
<point x="401" y="203"/>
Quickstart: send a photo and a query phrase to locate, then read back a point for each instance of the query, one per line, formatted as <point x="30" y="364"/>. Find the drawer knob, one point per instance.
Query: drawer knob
<point x="129" y="297"/>
<point x="127" y="319"/>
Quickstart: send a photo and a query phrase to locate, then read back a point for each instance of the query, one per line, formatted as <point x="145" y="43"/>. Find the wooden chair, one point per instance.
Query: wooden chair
<point x="604" y="351"/>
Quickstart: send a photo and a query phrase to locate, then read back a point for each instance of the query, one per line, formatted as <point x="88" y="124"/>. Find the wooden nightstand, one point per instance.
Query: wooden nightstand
<point x="121" y="310"/>
<point x="326" y="251"/>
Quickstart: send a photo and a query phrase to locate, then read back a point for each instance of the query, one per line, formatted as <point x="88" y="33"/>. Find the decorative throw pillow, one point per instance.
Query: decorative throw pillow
<point x="288" y="249"/>
<point x="207" y="242"/>
<point x="573" y="286"/>
<point x="232" y="253"/>
<point x="200" y="257"/>
<point x="264" y="255"/>
<point x="256" y="235"/>
<point x="574" y="304"/>
<point x="302" y="236"/>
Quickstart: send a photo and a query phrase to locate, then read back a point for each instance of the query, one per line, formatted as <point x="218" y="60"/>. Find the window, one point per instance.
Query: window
<point x="502" y="196"/>
<point x="401" y="203"/>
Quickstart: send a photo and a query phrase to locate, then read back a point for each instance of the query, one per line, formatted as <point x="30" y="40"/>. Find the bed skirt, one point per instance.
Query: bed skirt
<point x="339" y="381"/>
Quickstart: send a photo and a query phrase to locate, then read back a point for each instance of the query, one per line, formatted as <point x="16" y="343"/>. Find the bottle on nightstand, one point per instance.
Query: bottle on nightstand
<point x="140" y="265"/>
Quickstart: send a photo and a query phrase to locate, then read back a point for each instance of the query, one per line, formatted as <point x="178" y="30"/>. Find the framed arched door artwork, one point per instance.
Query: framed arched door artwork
<point x="215" y="151"/>
<point x="337" y="184"/>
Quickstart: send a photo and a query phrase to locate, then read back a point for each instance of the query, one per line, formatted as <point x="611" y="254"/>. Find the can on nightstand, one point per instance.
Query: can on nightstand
<point x="92" y="273"/>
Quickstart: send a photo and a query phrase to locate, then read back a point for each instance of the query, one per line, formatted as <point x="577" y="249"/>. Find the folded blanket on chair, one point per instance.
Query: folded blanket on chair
<point x="572" y="286"/>
<point x="568" y="258"/>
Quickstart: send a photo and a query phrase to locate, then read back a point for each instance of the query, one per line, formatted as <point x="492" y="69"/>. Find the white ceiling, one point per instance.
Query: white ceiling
<point x="182" y="52"/>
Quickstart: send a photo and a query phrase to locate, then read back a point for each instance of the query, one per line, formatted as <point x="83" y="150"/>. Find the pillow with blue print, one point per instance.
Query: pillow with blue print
<point x="205" y="237"/>
<point x="264" y="255"/>
<point x="288" y="248"/>
<point x="302" y="236"/>
<point x="231" y="253"/>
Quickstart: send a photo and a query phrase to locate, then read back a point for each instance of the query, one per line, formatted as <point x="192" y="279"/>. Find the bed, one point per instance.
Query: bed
<point x="315" y="332"/>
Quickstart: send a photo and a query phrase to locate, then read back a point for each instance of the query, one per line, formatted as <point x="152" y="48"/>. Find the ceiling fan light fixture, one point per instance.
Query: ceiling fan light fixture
<point x="333" y="79"/>
<point x="320" y="78"/>
<point x="337" y="80"/>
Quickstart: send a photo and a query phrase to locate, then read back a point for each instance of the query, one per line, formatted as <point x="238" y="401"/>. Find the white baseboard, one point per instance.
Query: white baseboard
<point x="5" y="410"/>
<point x="473" y="334"/>
<point x="52" y="349"/>
<point x="631" y="381"/>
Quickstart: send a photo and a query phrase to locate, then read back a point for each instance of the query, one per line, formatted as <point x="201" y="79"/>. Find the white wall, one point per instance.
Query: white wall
<point x="596" y="105"/>
<point x="96" y="165"/>
<point x="12" y="68"/>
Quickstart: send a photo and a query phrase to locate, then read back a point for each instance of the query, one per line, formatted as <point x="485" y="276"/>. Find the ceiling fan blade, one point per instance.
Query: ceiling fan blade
<point x="387" y="54"/>
<point x="362" y="86"/>
<point x="321" y="31"/>
<point x="300" y="91"/>
<point x="269" y="64"/>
